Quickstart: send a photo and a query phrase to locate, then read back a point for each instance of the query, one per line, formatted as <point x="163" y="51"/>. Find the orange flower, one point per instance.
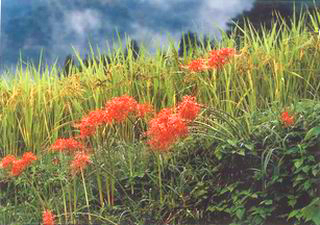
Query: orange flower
<point x="86" y="129"/>
<point x="67" y="144"/>
<point x="143" y="109"/>
<point x="220" y="57"/>
<point x="47" y="217"/>
<point x="197" y="65"/>
<point x="80" y="162"/>
<point x="188" y="109"/>
<point x="119" y="108"/>
<point x="89" y="123"/>
<point x="7" y="161"/>
<point x="287" y="119"/>
<point x="165" y="129"/>
<point x="217" y="58"/>
<point x="18" y="167"/>
<point x="28" y="157"/>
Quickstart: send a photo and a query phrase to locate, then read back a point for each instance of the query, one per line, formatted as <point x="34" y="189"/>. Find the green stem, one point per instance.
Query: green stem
<point x="100" y="189"/>
<point x="74" y="196"/>
<point x="86" y="196"/>
<point x="160" y="179"/>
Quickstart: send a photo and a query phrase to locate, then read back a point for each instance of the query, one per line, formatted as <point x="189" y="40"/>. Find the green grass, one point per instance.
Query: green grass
<point x="271" y="72"/>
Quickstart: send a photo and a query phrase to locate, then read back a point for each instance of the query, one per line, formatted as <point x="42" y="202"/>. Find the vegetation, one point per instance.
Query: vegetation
<point x="241" y="124"/>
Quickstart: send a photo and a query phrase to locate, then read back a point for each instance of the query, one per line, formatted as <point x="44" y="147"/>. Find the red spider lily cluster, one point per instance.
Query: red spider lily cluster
<point x="188" y="109"/>
<point x="89" y="123"/>
<point x="47" y="217"/>
<point x="286" y="119"/>
<point x="80" y="162"/>
<point x="167" y="127"/>
<point x="216" y="60"/>
<point x="197" y="65"/>
<point x="67" y="145"/>
<point x="72" y="146"/>
<point x="17" y="166"/>
<point x="117" y="110"/>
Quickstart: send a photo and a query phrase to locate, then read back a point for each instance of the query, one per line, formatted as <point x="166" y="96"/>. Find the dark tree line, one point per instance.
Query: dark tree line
<point x="264" y="12"/>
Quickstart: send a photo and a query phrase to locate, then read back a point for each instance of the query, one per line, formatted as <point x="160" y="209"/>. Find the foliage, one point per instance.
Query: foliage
<point x="250" y="157"/>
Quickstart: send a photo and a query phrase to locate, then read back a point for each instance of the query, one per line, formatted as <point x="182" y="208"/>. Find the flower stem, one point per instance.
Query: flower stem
<point x="86" y="196"/>
<point x="159" y="178"/>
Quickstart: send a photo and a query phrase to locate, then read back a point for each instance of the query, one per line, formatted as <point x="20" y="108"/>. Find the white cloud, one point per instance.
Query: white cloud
<point x="73" y="23"/>
<point x="218" y="12"/>
<point x="206" y="19"/>
<point x="82" y="21"/>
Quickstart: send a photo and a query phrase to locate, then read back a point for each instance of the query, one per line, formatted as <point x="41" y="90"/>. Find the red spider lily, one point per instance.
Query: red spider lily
<point x="7" y="161"/>
<point x="165" y="129"/>
<point x="197" y="65"/>
<point x="287" y="119"/>
<point x="119" y="108"/>
<point x="217" y="58"/>
<point x="220" y="57"/>
<point x="98" y="117"/>
<point x="188" y="109"/>
<point x="28" y="157"/>
<point x="86" y="129"/>
<point x="17" y="166"/>
<point x="47" y="217"/>
<point x="20" y="165"/>
<point x="226" y="52"/>
<point x="143" y="109"/>
<point x="216" y="62"/>
<point x="67" y="144"/>
<point x="89" y="123"/>
<point x="80" y="161"/>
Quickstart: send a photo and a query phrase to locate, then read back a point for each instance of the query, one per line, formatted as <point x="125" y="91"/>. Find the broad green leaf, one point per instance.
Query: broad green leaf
<point x="312" y="211"/>
<point x="306" y="169"/>
<point x="293" y="214"/>
<point x="240" y="212"/>
<point x="312" y="134"/>
<point x="298" y="163"/>
<point x="249" y="146"/>
<point x="241" y="152"/>
<point x="315" y="171"/>
<point x="292" y="202"/>
<point x="307" y="185"/>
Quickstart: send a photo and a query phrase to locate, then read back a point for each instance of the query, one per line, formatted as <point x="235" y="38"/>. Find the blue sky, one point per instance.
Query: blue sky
<point x="57" y="25"/>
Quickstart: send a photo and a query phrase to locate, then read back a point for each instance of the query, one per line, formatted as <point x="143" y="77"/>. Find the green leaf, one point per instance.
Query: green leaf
<point x="298" y="163"/>
<point x="293" y="214"/>
<point x="292" y="202"/>
<point x="266" y="202"/>
<point x="254" y="196"/>
<point x="306" y="169"/>
<point x="218" y="153"/>
<point x="240" y="212"/>
<point x="315" y="172"/>
<point x="249" y="146"/>
<point x="241" y="152"/>
<point x="217" y="208"/>
<point x="313" y="133"/>
<point x="312" y="211"/>
<point x="233" y="143"/>
<point x="307" y="185"/>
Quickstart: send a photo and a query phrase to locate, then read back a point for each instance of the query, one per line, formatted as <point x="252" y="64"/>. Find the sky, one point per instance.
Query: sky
<point x="58" y="26"/>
